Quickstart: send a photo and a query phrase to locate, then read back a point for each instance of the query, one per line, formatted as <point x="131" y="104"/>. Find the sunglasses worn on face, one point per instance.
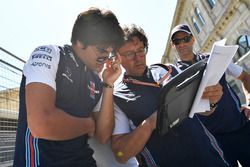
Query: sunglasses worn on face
<point x="131" y="54"/>
<point x="185" y="39"/>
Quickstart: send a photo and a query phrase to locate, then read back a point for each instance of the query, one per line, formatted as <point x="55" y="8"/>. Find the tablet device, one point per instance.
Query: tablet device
<point x="177" y="96"/>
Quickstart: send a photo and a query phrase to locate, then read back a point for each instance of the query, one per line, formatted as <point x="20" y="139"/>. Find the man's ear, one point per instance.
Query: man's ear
<point x="80" y="44"/>
<point x="173" y="46"/>
<point x="193" y="39"/>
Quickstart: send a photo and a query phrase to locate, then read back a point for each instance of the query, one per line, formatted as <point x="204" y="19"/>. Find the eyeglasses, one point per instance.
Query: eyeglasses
<point x="101" y="51"/>
<point x="131" y="54"/>
<point x="185" y="39"/>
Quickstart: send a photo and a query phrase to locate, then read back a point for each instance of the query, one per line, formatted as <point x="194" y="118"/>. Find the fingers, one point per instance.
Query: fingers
<point x="113" y="63"/>
<point x="112" y="71"/>
<point x="213" y="93"/>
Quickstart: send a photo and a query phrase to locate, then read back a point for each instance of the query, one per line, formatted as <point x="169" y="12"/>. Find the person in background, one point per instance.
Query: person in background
<point x="61" y="87"/>
<point x="190" y="144"/>
<point x="229" y="122"/>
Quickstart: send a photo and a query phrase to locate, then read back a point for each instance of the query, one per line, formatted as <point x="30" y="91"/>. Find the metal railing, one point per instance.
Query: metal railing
<point x="10" y="78"/>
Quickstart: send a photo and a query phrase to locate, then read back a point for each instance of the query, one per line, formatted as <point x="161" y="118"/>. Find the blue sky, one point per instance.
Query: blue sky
<point x="27" y="24"/>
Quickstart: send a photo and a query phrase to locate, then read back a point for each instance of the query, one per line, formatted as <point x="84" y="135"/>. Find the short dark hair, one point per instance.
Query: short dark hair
<point x="134" y="31"/>
<point x="97" y="27"/>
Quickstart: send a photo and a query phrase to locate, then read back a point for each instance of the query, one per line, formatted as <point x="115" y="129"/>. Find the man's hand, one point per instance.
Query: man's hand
<point x="112" y="71"/>
<point x="246" y="110"/>
<point x="213" y="93"/>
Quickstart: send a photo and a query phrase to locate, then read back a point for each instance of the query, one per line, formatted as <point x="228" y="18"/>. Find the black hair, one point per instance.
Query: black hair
<point x="134" y="31"/>
<point x="97" y="27"/>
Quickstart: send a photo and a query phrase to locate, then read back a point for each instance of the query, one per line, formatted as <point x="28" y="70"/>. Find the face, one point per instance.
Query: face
<point x="183" y="43"/>
<point x="93" y="56"/>
<point x="133" y="57"/>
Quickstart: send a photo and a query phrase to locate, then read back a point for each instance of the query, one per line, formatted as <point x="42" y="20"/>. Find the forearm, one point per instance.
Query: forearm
<point x="58" y="125"/>
<point x="245" y="79"/>
<point x="105" y="118"/>
<point x="129" y="145"/>
<point x="47" y="121"/>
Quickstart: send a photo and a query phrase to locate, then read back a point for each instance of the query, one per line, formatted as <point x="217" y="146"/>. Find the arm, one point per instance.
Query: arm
<point x="245" y="79"/>
<point x="130" y="144"/>
<point x="105" y="118"/>
<point x="237" y="72"/>
<point x="246" y="110"/>
<point x="47" y="121"/>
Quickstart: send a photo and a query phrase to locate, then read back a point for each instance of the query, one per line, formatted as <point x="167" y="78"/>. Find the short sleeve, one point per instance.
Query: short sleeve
<point x="234" y="70"/>
<point x="42" y="65"/>
<point x="97" y="108"/>
<point x="121" y="122"/>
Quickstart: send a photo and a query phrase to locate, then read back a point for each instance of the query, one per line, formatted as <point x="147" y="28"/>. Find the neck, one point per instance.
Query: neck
<point x="189" y="57"/>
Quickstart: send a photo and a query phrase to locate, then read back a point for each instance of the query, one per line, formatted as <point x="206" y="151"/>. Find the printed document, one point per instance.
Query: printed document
<point x="220" y="57"/>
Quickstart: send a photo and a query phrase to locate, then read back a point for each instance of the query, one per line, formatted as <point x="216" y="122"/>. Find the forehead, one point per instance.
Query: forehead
<point x="132" y="45"/>
<point x="180" y="34"/>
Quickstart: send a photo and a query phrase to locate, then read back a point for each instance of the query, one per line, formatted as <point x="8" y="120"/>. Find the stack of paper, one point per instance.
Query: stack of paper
<point x="220" y="57"/>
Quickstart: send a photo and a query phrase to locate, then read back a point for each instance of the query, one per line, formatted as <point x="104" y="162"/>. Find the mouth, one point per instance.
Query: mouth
<point x="139" y="66"/>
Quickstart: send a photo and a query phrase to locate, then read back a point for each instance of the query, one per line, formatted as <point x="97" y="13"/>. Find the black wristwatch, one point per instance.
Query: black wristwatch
<point x="106" y="85"/>
<point x="213" y="105"/>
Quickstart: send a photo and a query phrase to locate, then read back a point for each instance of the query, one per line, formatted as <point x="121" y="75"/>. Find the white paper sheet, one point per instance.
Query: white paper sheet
<point x="220" y="58"/>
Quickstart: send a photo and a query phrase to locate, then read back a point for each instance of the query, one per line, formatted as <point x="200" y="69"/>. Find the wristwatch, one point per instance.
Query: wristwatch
<point x="213" y="105"/>
<point x="106" y="85"/>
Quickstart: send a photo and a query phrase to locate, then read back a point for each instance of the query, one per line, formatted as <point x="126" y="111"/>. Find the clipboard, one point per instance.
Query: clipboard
<point x="177" y="96"/>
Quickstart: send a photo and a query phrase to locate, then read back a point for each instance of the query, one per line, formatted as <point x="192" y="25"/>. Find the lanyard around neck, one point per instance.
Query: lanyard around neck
<point x="157" y="84"/>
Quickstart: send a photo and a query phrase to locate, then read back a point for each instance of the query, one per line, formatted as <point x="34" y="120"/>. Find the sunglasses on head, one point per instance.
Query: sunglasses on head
<point x="185" y="39"/>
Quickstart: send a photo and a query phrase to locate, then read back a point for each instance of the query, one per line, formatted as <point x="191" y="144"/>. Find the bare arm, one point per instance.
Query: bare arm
<point x="47" y="121"/>
<point x="105" y="118"/>
<point x="129" y="145"/>
<point x="245" y="79"/>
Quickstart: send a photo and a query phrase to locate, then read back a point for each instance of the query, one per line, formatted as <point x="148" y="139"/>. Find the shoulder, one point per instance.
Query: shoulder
<point x="45" y="53"/>
<point x="42" y="65"/>
<point x="165" y="67"/>
<point x="234" y="70"/>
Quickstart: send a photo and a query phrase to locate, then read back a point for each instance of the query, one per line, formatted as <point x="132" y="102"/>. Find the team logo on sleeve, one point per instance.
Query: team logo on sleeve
<point x="41" y="64"/>
<point x="92" y="90"/>
<point x="42" y="56"/>
<point x="44" y="49"/>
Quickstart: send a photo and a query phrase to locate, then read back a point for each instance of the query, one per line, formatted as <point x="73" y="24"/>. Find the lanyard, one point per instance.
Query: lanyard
<point x="157" y="84"/>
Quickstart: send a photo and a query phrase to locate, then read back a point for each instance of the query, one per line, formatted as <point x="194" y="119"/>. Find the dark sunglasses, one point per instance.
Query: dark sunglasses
<point x="185" y="39"/>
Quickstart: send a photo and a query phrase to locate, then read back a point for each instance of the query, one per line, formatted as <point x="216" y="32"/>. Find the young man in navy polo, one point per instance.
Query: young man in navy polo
<point x="61" y="87"/>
